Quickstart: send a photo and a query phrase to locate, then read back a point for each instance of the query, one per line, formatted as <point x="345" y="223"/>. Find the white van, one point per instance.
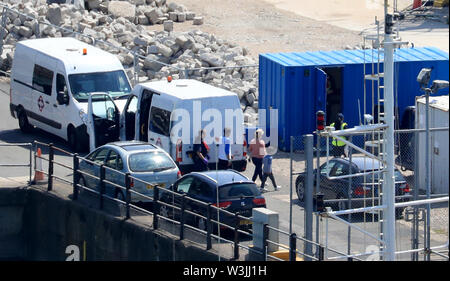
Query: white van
<point x="52" y="80"/>
<point x="169" y="114"/>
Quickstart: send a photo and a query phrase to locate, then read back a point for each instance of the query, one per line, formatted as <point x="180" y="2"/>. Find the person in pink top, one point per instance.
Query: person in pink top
<point x="257" y="151"/>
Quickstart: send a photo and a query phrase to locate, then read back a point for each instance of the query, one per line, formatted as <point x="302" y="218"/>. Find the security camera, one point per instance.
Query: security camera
<point x="424" y="76"/>
<point x="438" y="85"/>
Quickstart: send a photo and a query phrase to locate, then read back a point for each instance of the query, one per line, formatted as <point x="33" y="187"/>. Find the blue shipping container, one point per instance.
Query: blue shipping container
<point x="300" y="84"/>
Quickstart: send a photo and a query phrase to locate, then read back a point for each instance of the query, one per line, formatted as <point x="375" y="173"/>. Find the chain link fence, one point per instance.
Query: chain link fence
<point x="360" y="187"/>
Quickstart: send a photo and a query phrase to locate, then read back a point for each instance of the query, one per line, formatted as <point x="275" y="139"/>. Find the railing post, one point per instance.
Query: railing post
<point x="155" y="207"/>
<point x="293" y="247"/>
<point x="76" y="165"/>
<point x="128" y="195"/>
<point x="31" y="164"/>
<point x="236" y="236"/>
<point x="208" y="227"/>
<point x="265" y="238"/>
<point x="182" y="216"/>
<point x="51" y="155"/>
<point x="102" y="184"/>
<point x="321" y="253"/>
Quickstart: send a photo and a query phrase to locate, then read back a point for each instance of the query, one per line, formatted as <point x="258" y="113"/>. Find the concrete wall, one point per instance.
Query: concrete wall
<point x="37" y="225"/>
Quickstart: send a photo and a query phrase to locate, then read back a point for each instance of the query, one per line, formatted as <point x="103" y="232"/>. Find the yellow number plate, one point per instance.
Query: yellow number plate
<point x="244" y="222"/>
<point x="151" y="186"/>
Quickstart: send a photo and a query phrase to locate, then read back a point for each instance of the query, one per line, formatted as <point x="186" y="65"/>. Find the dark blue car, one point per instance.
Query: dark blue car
<point x="237" y="194"/>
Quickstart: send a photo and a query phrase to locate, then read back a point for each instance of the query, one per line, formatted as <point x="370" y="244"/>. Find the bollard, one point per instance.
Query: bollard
<point x="265" y="238"/>
<point x="51" y="156"/>
<point x="208" y="227"/>
<point x="102" y="185"/>
<point x="128" y="195"/>
<point x="293" y="247"/>
<point x="76" y="165"/>
<point x="155" y="207"/>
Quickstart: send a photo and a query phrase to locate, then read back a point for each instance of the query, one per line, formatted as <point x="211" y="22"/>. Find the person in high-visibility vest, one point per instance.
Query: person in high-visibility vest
<point x="339" y="146"/>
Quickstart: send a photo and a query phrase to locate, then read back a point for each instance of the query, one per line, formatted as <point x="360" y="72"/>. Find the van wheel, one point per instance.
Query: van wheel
<point x="23" y="122"/>
<point x="73" y="141"/>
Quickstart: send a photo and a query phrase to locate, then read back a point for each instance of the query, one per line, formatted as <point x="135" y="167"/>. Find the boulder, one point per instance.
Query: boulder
<point x="54" y="14"/>
<point x="122" y="9"/>
<point x="198" y="21"/>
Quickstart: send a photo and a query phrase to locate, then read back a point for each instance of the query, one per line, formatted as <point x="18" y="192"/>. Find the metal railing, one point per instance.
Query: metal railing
<point x="29" y="164"/>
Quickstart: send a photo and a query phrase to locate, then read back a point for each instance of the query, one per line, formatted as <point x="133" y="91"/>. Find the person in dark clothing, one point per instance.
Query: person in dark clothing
<point x="201" y="150"/>
<point x="339" y="146"/>
<point x="257" y="152"/>
<point x="267" y="172"/>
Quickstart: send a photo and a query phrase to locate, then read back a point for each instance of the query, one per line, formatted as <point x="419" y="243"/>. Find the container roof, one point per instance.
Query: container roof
<point x="439" y="102"/>
<point x="341" y="57"/>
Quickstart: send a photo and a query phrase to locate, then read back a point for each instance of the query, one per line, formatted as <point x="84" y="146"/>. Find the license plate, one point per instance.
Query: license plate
<point x="245" y="222"/>
<point x="151" y="186"/>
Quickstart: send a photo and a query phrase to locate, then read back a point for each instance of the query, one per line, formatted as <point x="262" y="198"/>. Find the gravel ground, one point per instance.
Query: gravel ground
<point x="262" y="28"/>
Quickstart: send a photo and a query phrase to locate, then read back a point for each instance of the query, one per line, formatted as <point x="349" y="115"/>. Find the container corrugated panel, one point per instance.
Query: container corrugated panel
<point x="290" y="82"/>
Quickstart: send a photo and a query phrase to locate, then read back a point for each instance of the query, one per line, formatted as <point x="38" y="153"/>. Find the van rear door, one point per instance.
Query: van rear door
<point x="159" y="124"/>
<point x="103" y="120"/>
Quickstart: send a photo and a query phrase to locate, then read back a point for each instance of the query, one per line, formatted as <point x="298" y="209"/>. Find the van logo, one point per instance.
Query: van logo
<point x="40" y="103"/>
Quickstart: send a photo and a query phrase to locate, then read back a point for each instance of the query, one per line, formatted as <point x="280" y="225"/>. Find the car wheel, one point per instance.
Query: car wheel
<point x="201" y="223"/>
<point x="300" y="188"/>
<point x="120" y="196"/>
<point x="72" y="139"/>
<point x="164" y="211"/>
<point x="341" y="205"/>
<point x="23" y="122"/>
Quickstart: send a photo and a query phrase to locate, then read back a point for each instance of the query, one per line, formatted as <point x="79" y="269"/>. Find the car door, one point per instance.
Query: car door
<point x="103" y="120"/>
<point x="326" y="185"/>
<point x="128" y="119"/>
<point x="182" y="186"/>
<point x="340" y="186"/>
<point x="113" y="173"/>
<point x="98" y="158"/>
<point x="60" y="108"/>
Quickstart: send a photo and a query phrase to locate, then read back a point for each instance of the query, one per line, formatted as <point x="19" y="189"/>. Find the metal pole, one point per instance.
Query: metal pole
<point x="308" y="140"/>
<point x="349" y="192"/>
<point x="428" y="170"/>
<point x="76" y="165"/>
<point x="290" y="185"/>
<point x="317" y="191"/>
<point x="415" y="228"/>
<point x="389" y="182"/>
<point x="51" y="155"/>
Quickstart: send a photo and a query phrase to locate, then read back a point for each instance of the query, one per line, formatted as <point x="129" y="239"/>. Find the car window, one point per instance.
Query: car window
<point x="42" y="79"/>
<point x="159" y="121"/>
<point x="60" y="83"/>
<point x="100" y="156"/>
<point x="327" y="167"/>
<point x="238" y="190"/>
<point x="200" y="188"/>
<point x="340" y="169"/>
<point x="132" y="106"/>
<point x="150" y="161"/>
<point x="114" y="161"/>
<point x="184" y="184"/>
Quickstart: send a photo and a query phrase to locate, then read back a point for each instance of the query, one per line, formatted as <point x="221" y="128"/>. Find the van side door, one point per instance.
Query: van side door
<point x="128" y="119"/>
<point x="159" y="124"/>
<point x="145" y="102"/>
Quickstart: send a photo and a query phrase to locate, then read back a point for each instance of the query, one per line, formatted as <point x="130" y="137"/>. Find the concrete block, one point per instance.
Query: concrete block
<point x="263" y="216"/>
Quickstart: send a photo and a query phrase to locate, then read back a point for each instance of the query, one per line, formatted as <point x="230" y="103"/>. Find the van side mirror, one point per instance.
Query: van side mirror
<point x="62" y="97"/>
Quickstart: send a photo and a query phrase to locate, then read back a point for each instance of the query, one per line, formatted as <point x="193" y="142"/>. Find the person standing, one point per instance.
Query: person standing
<point x="257" y="150"/>
<point x="339" y="146"/>
<point x="201" y="150"/>
<point x="225" y="151"/>
<point x="267" y="172"/>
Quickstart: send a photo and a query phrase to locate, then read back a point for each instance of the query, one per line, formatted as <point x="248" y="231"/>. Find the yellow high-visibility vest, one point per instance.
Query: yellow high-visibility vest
<point x="335" y="141"/>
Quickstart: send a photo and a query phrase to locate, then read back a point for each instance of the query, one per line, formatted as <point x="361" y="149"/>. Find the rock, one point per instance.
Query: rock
<point x="153" y="49"/>
<point x="153" y="15"/>
<point x="168" y="26"/>
<point x="143" y="20"/>
<point x="212" y="59"/>
<point x="173" y="16"/>
<point x="198" y="21"/>
<point x="93" y="4"/>
<point x="25" y="31"/>
<point x="150" y="63"/>
<point x="128" y="59"/>
<point x="122" y="9"/>
<point x="190" y="15"/>
<point x="181" y="40"/>
<point x="181" y="17"/>
<point x="164" y="50"/>
<point x="54" y="14"/>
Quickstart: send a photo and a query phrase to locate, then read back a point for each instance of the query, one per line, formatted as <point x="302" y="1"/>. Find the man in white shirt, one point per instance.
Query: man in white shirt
<point x="225" y="150"/>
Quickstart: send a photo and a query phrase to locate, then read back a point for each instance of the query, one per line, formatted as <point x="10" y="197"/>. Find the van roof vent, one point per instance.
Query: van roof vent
<point x="71" y="50"/>
<point x="182" y="85"/>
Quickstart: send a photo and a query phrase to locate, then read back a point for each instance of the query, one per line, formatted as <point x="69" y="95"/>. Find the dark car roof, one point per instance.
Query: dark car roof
<point x="134" y="145"/>
<point x="363" y="163"/>
<point x="223" y="177"/>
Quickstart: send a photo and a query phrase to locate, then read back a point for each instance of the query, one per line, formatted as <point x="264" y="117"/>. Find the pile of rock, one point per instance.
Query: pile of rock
<point x="158" y="53"/>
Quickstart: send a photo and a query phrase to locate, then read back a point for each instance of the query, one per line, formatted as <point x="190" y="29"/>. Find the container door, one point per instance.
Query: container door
<point x="103" y="120"/>
<point x="321" y="89"/>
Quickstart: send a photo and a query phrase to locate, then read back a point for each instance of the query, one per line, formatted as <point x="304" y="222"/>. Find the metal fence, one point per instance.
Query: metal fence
<point x="29" y="164"/>
<point x="171" y="211"/>
<point x="419" y="229"/>
<point x="139" y="54"/>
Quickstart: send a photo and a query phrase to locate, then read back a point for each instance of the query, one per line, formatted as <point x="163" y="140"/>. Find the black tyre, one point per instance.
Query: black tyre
<point x="300" y="189"/>
<point x="119" y="195"/>
<point x="23" y="122"/>
<point x="82" y="182"/>
<point x="72" y="139"/>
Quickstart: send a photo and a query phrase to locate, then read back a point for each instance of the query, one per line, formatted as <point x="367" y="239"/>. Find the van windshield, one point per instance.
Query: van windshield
<point x="114" y="83"/>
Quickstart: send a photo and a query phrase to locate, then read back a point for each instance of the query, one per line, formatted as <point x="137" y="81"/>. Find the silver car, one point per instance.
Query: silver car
<point x="142" y="160"/>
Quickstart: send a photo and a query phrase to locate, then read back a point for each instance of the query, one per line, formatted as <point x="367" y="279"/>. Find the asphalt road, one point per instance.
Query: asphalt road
<point x="278" y="201"/>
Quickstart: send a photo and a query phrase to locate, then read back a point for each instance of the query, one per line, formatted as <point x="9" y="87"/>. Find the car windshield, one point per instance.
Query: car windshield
<point x="114" y="83"/>
<point x="150" y="162"/>
<point x="238" y="190"/>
